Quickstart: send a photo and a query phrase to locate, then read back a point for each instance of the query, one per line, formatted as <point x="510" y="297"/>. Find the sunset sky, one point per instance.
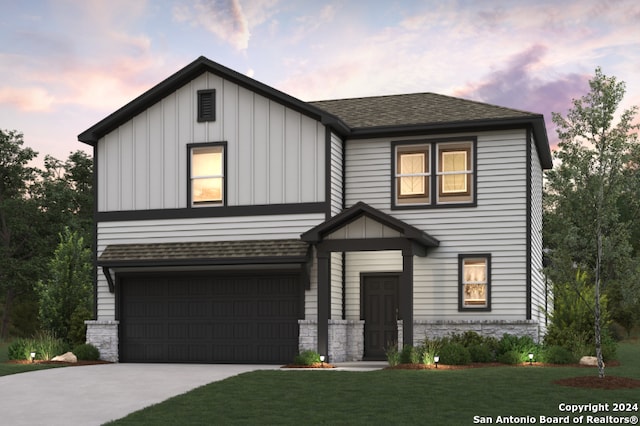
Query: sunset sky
<point x="66" y="64"/>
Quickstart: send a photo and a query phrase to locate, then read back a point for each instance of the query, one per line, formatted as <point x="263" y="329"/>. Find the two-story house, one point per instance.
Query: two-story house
<point x="236" y="223"/>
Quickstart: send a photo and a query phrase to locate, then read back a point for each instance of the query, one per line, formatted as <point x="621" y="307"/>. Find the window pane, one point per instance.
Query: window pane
<point x="206" y="190"/>
<point x="412" y="185"/>
<point x="475" y="295"/>
<point x="412" y="163"/>
<point x="474" y="282"/>
<point x="452" y="162"/>
<point x="206" y="162"/>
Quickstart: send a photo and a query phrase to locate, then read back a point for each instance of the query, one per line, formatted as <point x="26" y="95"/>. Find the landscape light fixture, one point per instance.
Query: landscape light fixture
<point x="322" y="359"/>
<point x="436" y="359"/>
<point x="530" y="358"/>
<point x="33" y="356"/>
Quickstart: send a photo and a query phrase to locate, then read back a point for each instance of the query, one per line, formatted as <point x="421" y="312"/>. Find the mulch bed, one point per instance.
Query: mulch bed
<point x="314" y="365"/>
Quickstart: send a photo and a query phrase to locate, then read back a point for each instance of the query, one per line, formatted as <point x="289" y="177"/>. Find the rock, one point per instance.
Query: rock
<point x="66" y="357"/>
<point x="589" y="360"/>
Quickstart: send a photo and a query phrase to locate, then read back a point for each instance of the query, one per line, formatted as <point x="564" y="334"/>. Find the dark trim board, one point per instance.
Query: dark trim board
<point x="529" y="299"/>
<point x="221" y="211"/>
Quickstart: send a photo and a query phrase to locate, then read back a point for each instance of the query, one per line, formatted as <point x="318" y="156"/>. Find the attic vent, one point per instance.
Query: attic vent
<point x="207" y="105"/>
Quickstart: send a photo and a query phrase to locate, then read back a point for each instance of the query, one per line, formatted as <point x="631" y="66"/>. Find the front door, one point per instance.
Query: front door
<point x="380" y="314"/>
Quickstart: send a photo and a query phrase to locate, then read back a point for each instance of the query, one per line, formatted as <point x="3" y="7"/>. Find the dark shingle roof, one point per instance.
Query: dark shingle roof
<point x="414" y="109"/>
<point x="209" y="252"/>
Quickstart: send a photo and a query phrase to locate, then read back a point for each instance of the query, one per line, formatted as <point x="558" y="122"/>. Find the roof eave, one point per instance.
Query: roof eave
<point x="535" y="122"/>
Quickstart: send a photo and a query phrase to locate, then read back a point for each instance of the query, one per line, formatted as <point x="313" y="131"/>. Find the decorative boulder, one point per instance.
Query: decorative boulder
<point x="66" y="357"/>
<point x="589" y="360"/>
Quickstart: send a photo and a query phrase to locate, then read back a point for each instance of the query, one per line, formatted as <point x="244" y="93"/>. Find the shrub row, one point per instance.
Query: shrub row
<point x="470" y="347"/>
<point x="46" y="346"/>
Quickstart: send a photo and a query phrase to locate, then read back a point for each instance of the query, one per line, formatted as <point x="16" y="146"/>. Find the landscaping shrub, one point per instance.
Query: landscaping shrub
<point x="86" y="352"/>
<point x="467" y="339"/>
<point x="454" y="354"/>
<point x="44" y="344"/>
<point x="480" y="353"/>
<point x="429" y="349"/>
<point x="393" y="356"/>
<point x="558" y="355"/>
<point x="307" y="358"/>
<point x="409" y="355"/>
<point x="510" y="357"/>
<point x="522" y="345"/>
<point x="20" y="349"/>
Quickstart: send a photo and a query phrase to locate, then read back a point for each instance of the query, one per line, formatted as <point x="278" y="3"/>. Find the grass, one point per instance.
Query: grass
<point x="389" y="396"/>
<point x="6" y="369"/>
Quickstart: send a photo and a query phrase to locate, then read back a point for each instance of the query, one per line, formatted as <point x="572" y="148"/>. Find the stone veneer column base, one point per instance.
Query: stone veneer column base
<point x="491" y="328"/>
<point x="346" y="339"/>
<point x="104" y="336"/>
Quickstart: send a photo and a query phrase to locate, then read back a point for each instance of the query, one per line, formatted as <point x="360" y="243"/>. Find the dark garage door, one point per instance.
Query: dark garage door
<point x="230" y="318"/>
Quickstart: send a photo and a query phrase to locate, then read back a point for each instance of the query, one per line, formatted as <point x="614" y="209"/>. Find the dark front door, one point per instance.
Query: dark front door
<point x="380" y="314"/>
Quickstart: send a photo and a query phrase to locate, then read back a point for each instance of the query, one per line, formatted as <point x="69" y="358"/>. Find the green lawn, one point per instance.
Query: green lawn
<point x="435" y="397"/>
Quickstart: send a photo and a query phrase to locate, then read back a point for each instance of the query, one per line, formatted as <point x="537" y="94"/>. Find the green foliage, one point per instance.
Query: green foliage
<point x="409" y="355"/>
<point x="429" y="349"/>
<point x="308" y="357"/>
<point x="480" y="353"/>
<point x="510" y="357"/>
<point x="66" y="296"/>
<point x="44" y="344"/>
<point x="392" y="354"/>
<point x="454" y="354"/>
<point x="86" y="352"/>
<point x="558" y="355"/>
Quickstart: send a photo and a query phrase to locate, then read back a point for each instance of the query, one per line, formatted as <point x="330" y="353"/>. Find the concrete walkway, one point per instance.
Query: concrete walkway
<point x="93" y="395"/>
<point x="96" y="394"/>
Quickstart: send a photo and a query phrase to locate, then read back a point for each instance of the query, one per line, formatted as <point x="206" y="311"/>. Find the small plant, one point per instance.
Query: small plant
<point x="454" y="354"/>
<point x="409" y="355"/>
<point x="307" y="358"/>
<point x="86" y="352"/>
<point x="558" y="355"/>
<point x="20" y="349"/>
<point x="429" y="349"/>
<point x="510" y="357"/>
<point x="48" y="346"/>
<point x="480" y="353"/>
<point x="393" y="356"/>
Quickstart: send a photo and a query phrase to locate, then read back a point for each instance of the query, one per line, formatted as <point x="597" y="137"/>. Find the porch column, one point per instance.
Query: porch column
<point x="323" y="302"/>
<point x="406" y="297"/>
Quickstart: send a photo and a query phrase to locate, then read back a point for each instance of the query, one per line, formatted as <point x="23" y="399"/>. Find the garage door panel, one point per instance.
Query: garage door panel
<point x="210" y="318"/>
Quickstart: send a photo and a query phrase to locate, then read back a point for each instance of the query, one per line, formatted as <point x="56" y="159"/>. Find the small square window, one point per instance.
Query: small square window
<point x="475" y="282"/>
<point x="206" y="175"/>
<point x="455" y="172"/>
<point x="206" y="105"/>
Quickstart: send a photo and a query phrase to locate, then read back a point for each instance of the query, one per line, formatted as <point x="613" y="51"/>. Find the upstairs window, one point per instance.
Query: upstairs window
<point x="455" y="171"/>
<point x="433" y="173"/>
<point x="475" y="282"/>
<point x="413" y="174"/>
<point x="206" y="174"/>
<point x="206" y="105"/>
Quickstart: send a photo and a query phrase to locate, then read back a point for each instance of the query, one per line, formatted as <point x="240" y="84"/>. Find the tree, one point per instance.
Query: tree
<point x="66" y="295"/>
<point x="20" y="255"/>
<point x="584" y="225"/>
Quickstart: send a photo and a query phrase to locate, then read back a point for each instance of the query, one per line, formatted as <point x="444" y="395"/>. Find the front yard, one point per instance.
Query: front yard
<point x="438" y="397"/>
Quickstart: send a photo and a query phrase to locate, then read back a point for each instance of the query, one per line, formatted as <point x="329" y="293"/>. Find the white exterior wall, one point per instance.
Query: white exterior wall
<point x="497" y="226"/>
<point x="195" y="230"/>
<point x="275" y="155"/>
<point x="538" y="294"/>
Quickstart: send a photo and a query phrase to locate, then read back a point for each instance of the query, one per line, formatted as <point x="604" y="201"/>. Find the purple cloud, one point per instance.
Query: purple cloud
<point x="516" y="86"/>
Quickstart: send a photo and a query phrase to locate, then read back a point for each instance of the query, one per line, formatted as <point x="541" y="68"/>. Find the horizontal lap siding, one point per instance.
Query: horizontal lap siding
<point x="194" y="230"/>
<point x="274" y="155"/>
<point x="497" y="225"/>
<point x="538" y="294"/>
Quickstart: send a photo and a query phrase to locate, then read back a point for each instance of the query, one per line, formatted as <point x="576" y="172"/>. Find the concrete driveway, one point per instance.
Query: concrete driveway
<point x="93" y="395"/>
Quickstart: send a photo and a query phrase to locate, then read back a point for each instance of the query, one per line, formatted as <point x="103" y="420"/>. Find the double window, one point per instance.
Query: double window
<point x="474" y="276"/>
<point x="434" y="173"/>
<point x="206" y="174"/>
